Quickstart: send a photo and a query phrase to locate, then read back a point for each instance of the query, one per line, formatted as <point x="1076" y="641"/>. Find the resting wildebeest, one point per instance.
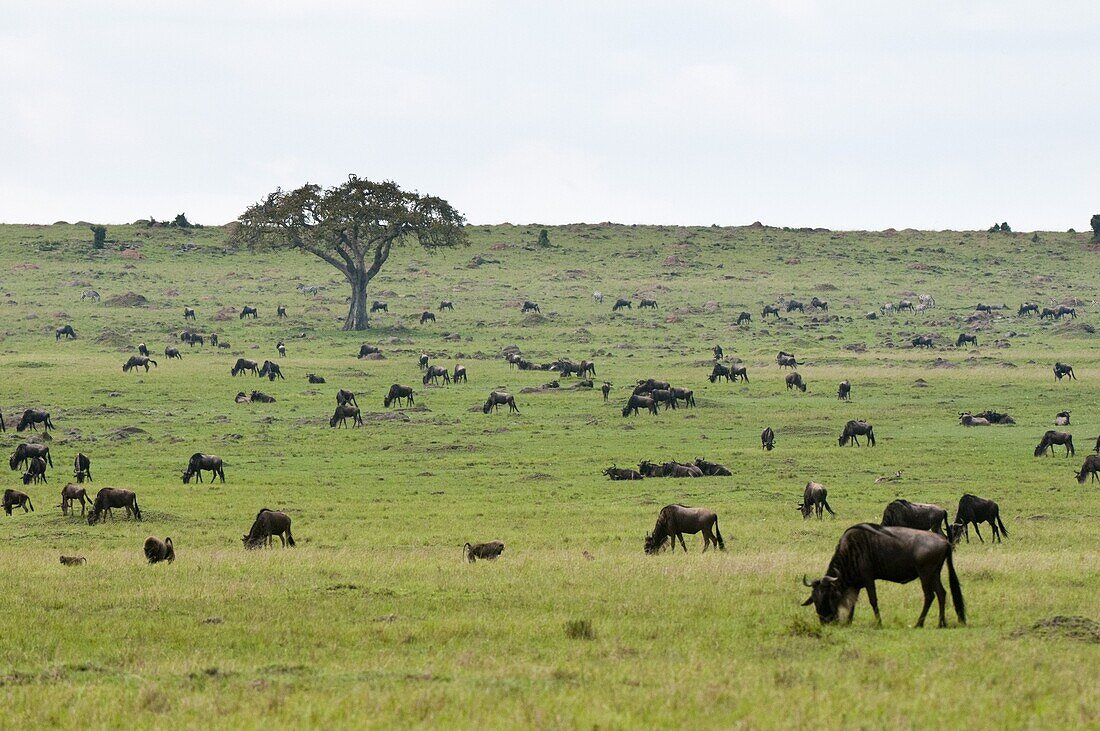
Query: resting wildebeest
<point x="260" y="397"/>
<point x="976" y="510"/>
<point x="819" y="304"/>
<point x="434" y="373"/>
<point x="496" y="398"/>
<point x="242" y="365"/>
<point x="72" y="492"/>
<point x="376" y="306"/>
<point x="1027" y="307"/>
<point x="621" y="304"/>
<point x="1091" y="466"/>
<point x="268" y="523"/>
<point x="996" y="417"/>
<point x="639" y="402"/>
<point x="446" y="305"/>
<point x="27" y="451"/>
<point x="138" y="361"/>
<point x="844" y="391"/>
<point x="314" y="378"/>
<point x="459" y="374"/>
<point x="34" y="416"/>
<point x="964" y="338"/>
<point x="649" y="385"/>
<point x="89" y="294"/>
<point x="664" y="396"/>
<point x="398" y="392"/>
<point x="425" y="316"/>
<point x="112" y="497"/>
<point x="767" y="439"/>
<point x="922" y="341"/>
<point x="16" y="499"/>
<point x="867" y="553"/>
<point x="188" y="313"/>
<point x="345" y="397"/>
<point x="157" y="550"/>
<point x="769" y="310"/>
<point x="712" y="469"/>
<point x="82" y="468"/>
<point x="795" y="305"/>
<point x="815" y="498"/>
<point x="1061" y="418"/>
<point x="685" y="395"/>
<point x="605" y="389"/>
<point x="172" y="352"/>
<point x="647" y="304"/>
<point x="143" y="349"/>
<point x="365" y="350"/>
<point x="620" y="473"/>
<point x="967" y="419"/>
<point x="1063" y="369"/>
<point x="199" y="462"/>
<point x="248" y="312"/>
<point x="855" y="429"/>
<point x="272" y="370"/>
<point x="676" y="520"/>
<point x="342" y="413"/>
<point x="1052" y="438"/>
<point x="66" y="330"/>
<point x="529" y="306"/>
<point x="36" y="471"/>
<point x="485" y="551"/>
<point x="922" y="516"/>
<point x="794" y="380"/>
<point x="676" y="469"/>
<point x="746" y="317"/>
<point x="280" y="311"/>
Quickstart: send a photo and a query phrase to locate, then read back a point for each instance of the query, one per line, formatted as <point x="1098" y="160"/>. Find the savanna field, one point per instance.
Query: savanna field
<point x="376" y="620"/>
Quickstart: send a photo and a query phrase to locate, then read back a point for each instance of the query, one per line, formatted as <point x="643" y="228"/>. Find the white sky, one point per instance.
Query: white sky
<point x="792" y="112"/>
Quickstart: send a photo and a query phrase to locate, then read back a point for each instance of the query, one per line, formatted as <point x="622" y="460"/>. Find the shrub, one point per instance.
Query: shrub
<point x="99" y="236"/>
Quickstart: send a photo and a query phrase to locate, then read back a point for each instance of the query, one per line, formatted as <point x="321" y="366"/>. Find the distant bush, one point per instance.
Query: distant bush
<point x="544" y="239"/>
<point x="1005" y="228"/>
<point x="180" y="221"/>
<point x="1095" y="223"/>
<point x="1001" y="228"/>
<point x="99" y="236"/>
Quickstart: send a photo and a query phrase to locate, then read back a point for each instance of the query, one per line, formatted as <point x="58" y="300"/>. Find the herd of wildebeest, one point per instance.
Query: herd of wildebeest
<point x="912" y="541"/>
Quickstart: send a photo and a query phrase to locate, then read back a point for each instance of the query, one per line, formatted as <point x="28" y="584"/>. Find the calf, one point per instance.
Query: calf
<point x="619" y="473"/>
<point x="815" y="498"/>
<point x="485" y="551"/>
<point x="976" y="510"/>
<point x="16" y="499"/>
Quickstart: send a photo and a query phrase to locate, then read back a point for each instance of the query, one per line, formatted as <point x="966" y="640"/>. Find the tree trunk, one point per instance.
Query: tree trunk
<point x="357" y="318"/>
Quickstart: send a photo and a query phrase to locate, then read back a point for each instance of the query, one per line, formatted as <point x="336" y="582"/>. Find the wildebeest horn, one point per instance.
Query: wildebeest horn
<point x="805" y="582"/>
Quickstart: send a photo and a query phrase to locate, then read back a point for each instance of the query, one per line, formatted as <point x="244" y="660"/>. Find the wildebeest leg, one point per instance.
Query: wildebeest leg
<point x="872" y="598"/>
<point x="926" y="584"/>
<point x="682" y="544"/>
<point x="978" y="532"/>
<point x="996" y="533"/>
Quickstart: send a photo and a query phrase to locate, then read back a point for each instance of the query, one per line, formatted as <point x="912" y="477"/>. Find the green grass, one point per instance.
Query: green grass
<point x="375" y="619"/>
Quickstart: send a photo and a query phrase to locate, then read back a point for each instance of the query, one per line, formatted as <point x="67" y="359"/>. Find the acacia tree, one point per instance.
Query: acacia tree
<point x="353" y="227"/>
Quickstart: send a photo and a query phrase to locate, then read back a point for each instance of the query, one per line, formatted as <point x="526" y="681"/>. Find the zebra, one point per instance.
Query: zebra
<point x="90" y="294"/>
<point x="303" y="289"/>
<point x="598" y="296"/>
<point x="927" y="301"/>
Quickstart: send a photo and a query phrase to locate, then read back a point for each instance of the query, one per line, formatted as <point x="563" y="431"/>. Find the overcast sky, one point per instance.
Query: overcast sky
<point x="839" y="114"/>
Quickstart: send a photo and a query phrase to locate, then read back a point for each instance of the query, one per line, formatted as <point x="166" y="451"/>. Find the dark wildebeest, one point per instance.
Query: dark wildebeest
<point x="70" y="493"/>
<point x="66" y="330"/>
<point x="685" y="395"/>
<point x="1097" y="450"/>
<point x="199" y="462"/>
<point x="844" y="391"/>
<point x="138" y="361"/>
<point x="281" y="347"/>
<point x="272" y="370"/>
<point x="905" y="305"/>
<point x="664" y="396"/>
<point x="365" y="350"/>
<point x="485" y="551"/>
<point x="397" y="393"/>
<point x="36" y="471"/>
<point x="605" y="389"/>
<point x="676" y="469"/>
<point x="718" y="352"/>
<point x="422" y="361"/>
<point x="786" y="360"/>
<point x="819" y="304"/>
<point x="280" y="311"/>
<point x="188" y="313"/>
<point x="989" y="308"/>
<point x="867" y="553"/>
<point x="1052" y="438"/>
<point x="1028" y="307"/>
<point x="620" y="473"/>
<point x="529" y="306"/>
<point x="27" y="451"/>
<point x="996" y="417"/>
<point x="676" y="520"/>
<point x="496" y="398"/>
<point x="376" y="306"/>
<point x="34" y="416"/>
<point x="3" y="426"/>
<point x="242" y="365"/>
<point x="968" y="419"/>
<point x="248" y="312"/>
<point x="639" y="402"/>
<point x="1063" y="369"/>
<point x="744" y="317"/>
<point x="815" y="498"/>
<point x="172" y="352"/>
<point x="1091" y="466"/>
<point x="157" y="550"/>
<point x="342" y="413"/>
<point x="446" y="305"/>
<point x="425" y="316"/>
<point x="795" y="305"/>
<point x="794" y="380"/>
<point x="769" y="310"/>
<point x="459" y="374"/>
<point x="314" y="378"/>
<point x="976" y="510"/>
<point x="741" y="372"/>
<point x="112" y="497"/>
<point x="259" y="397"/>
<point x="922" y="341"/>
<point x="143" y="349"/>
<point x="434" y="373"/>
<point x="1047" y="312"/>
<point x="767" y="439"/>
<point x="268" y="523"/>
<point x="586" y="368"/>
<point x="621" y="304"/>
<point x="855" y="429"/>
<point x="922" y="516"/>
<point x="648" y="469"/>
<point x="195" y="339"/>
<point x="345" y="397"/>
<point x="16" y="499"/>
<point x="964" y="338"/>
<point x="1061" y="418"/>
<point x="82" y="468"/>
<point x="712" y="469"/>
<point x="649" y="385"/>
<point x="720" y="371"/>
<point x="647" y="304"/>
<point x="1062" y="311"/>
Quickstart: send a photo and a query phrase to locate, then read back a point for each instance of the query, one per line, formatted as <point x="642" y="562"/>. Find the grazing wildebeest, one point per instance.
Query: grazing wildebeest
<point x="34" y="416"/>
<point x="89" y="294"/>
<point x="815" y="498"/>
<point x="675" y="520"/>
<point x="767" y="439"/>
<point x="720" y="371"/>
<point x="795" y="305"/>
<point x="248" y="312"/>
<point x="1063" y="369"/>
<point x="794" y="380"/>
<point x="485" y="551"/>
<point x="157" y="550"/>
<point x="905" y="305"/>
<point x="621" y="304"/>
<point x="976" y="510"/>
<point x="459" y="374"/>
<point x="398" y="392"/>
<point x="741" y="372"/>
<point x="855" y="429"/>
<point x="1061" y="418"/>
<point x="922" y="516"/>
<point x="66" y="330"/>
<point x="72" y="560"/>
<point x="685" y="395"/>
<point x="314" y="378"/>
<point x="268" y="523"/>
<point x="529" y="306"/>
<point x="496" y="398"/>
<point x="786" y="360"/>
<point x="922" y="341"/>
<point x="639" y="402"/>
<point x="260" y="397"/>
<point x="1091" y="466"/>
<point x="1062" y="311"/>
<point x="605" y="389"/>
<point x="746" y="317"/>
<point x="425" y="316"/>
<point x="664" y="396"/>
<point x="72" y="492"/>
<point x="27" y="451"/>
<point x="345" y="397"/>
<point x="712" y="469"/>
<point x="342" y="413"/>
<point x="272" y="370"/>
<point x="927" y="301"/>
<point x="647" y="304"/>
<point x="112" y="497"/>
<point x="867" y="553"/>
<point x="964" y="338"/>
<point x="82" y="468"/>
<point x="138" y="361"/>
<point x="619" y="473"/>
<point x="376" y="306"/>
<point x="769" y="310"/>
<point x="195" y="339"/>
<point x="446" y="305"/>
<point x="242" y="365"/>
<point x="281" y="347"/>
<point x="188" y="313"/>
<point x="280" y="312"/>
<point x="434" y="373"/>
<point x="1048" y="312"/>
<point x="649" y="385"/>
<point x="1052" y="438"/>
<point x="16" y="499"/>
<point x="199" y="462"/>
<point x="967" y="419"/>
<point x="36" y="471"/>
<point x="172" y="352"/>
<point x="1028" y="307"/>
<point x="598" y="296"/>
<point x="844" y="391"/>
<point x="819" y="304"/>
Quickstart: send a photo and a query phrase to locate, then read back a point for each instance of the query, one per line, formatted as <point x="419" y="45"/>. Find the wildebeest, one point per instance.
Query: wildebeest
<point x="281" y="347"/>
<point x="138" y="361"/>
<point x="605" y="389"/>
<point x="272" y="370"/>
<point x="769" y="310"/>
<point x="248" y="312"/>
<point x="867" y="553"/>
<point x="794" y="380"/>
<point x="71" y="493"/>
<point x="65" y="330"/>
<point x="143" y="349"/>
<point x="819" y="304"/>
<point x="529" y="306"/>
<point x="675" y="520"/>
<point x="377" y="306"/>
<point x="1061" y="418"/>
<point x="172" y="352"/>
<point x="342" y="413"/>
<point x="786" y="360"/>
<point x="647" y="304"/>
<point x="638" y="401"/>
<point x="1097" y="450"/>
<point x="922" y="341"/>
<point x="1091" y="466"/>
<point x="905" y="305"/>
<point x="4" y="428"/>
<point x="242" y="365"/>
<point x="685" y="395"/>
<point x="314" y="378"/>
<point x="426" y="316"/>
<point x="844" y="391"/>
<point x="720" y="371"/>
<point x="434" y="373"/>
<point x="459" y="374"/>
<point x="888" y="308"/>
<point x="82" y="468"/>
<point x="1063" y="369"/>
<point x="621" y="304"/>
<point x="718" y="352"/>
<point x="968" y="419"/>
<point x="16" y="499"/>
<point x="745" y="317"/>
<point x="199" y="462"/>
<point x="112" y="497"/>
<point x="446" y="305"/>
<point x="965" y="338"/>
<point x="664" y="396"/>
<point x="268" y="523"/>
<point x="422" y="361"/>
<point x="27" y="451"/>
<point x="620" y="473"/>
<point x="1047" y="312"/>
<point x="485" y="551"/>
<point x="496" y="398"/>
<point x="649" y="385"/>
<point x="739" y="371"/>
<point x="855" y="429"/>
<point x="815" y="499"/>
<point x="157" y="550"/>
<point x="72" y="560"/>
<point x="712" y="469"/>
<point x="89" y="294"/>
<point x="193" y="339"/>
<point x="795" y="305"/>
<point x="365" y="350"/>
<point x="922" y="516"/>
<point x="34" y="416"/>
<point x="260" y="397"/>
<point x="1062" y="311"/>
<point x="767" y="439"/>
<point x="280" y="312"/>
<point x="996" y="417"/>
<point x="676" y="469"/>
<point x="345" y="397"/>
<point x="976" y="510"/>
<point x="1052" y="438"/>
<point x="36" y="471"/>
<point x="1028" y="307"/>
<point x="396" y="394"/>
<point x="188" y="313"/>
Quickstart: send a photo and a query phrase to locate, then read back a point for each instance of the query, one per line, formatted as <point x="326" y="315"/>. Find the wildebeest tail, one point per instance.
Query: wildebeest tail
<point x="956" y="589"/>
<point x="137" y="510"/>
<point x="1001" y="525"/>
<point x="826" y="504"/>
<point x="718" y="535"/>
<point x="290" y="539"/>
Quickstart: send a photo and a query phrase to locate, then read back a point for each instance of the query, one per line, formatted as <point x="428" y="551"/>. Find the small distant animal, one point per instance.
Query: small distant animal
<point x="675" y="520"/>
<point x="815" y="499"/>
<point x="620" y="473"/>
<point x="138" y="361"/>
<point x="1048" y="312"/>
<point x="855" y="429"/>
<point x="1061" y="370"/>
<point x="1091" y="466"/>
<point x="82" y="468"/>
<point x="345" y="397"/>
<point x="927" y="301"/>
<point x="605" y="389"/>
<point x="647" y="304"/>
<point x="1061" y="418"/>
<point x="767" y="439"/>
<point x="143" y="349"/>
<point x="188" y="313"/>
<point x="396" y="394"/>
<point x="89" y="294"/>
<point x="244" y="364"/>
<point x="718" y="352"/>
<point x="194" y="339"/>
<point x="746" y="317"/>
<point x="281" y="347"/>
<point x="199" y="462"/>
<point x="426" y="316"/>
<point x="485" y="551"/>
<point x="434" y="373"/>
<point x="769" y="310"/>
<point x="922" y="341"/>
<point x="280" y="312"/>
<point x="794" y="380"/>
<point x="795" y="305"/>
<point x="720" y="371"/>
<point x="598" y="296"/>
<point x="819" y="304"/>
<point x="303" y="289"/>
<point x="1027" y="308"/>
<point x="922" y="516"/>
<point x="905" y="305"/>
<point x="272" y="370"/>
<point x="976" y="510"/>
<point x="459" y="374"/>
<point x="1062" y="311"/>
<point x="964" y="338"/>
<point x="248" y="312"/>
<point x="888" y="478"/>
<point x="172" y="353"/>
<point x="36" y="471"/>
<point x="422" y="361"/>
<point x="15" y="499"/>
<point x="786" y="360"/>
<point x="314" y="378"/>
<point x="73" y="560"/>
<point x="65" y="331"/>
<point x="112" y="497"/>
<point x="343" y="413"/>
<point x="712" y="469"/>
<point x="844" y="391"/>
<point x="365" y="350"/>
<point x="157" y="550"/>
<point x="967" y="419"/>
<point x="215" y="343"/>
<point x="529" y="306"/>
<point x="496" y="398"/>
<point x="71" y="493"/>
<point x="621" y="304"/>
<point x="639" y="402"/>
<point x="379" y="306"/>
<point x="268" y="523"/>
<point x="260" y="397"/>
<point x="888" y="308"/>
<point x="446" y="305"/>
<point x="1052" y="438"/>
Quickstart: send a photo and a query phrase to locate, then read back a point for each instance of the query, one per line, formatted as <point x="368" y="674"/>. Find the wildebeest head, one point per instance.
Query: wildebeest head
<point x="187" y="475"/>
<point x="652" y="544"/>
<point x="826" y="596"/>
<point x="955" y="532"/>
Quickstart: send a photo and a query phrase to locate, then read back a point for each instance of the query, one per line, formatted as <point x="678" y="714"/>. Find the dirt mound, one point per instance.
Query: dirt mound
<point x="386" y="416"/>
<point x="226" y="313"/>
<point x="128" y="299"/>
<point x="124" y="432"/>
<point x="131" y="254"/>
<point x="941" y="363"/>
<point x="113" y="339"/>
<point x="1082" y="629"/>
<point x="534" y="318"/>
<point x="675" y="261"/>
<point x="920" y="383"/>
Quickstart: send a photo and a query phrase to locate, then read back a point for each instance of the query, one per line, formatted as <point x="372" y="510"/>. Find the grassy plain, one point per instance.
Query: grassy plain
<point x="375" y="620"/>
